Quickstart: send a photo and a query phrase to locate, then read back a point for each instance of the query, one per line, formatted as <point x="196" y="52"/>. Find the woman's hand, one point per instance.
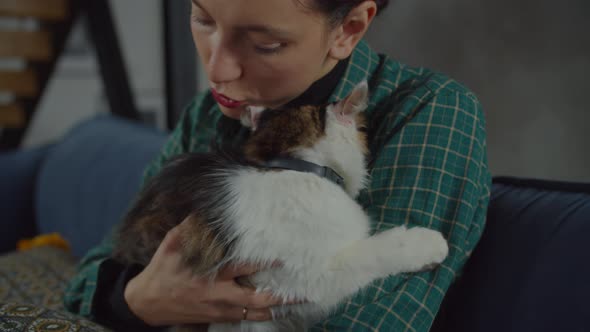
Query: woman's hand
<point x="166" y="293"/>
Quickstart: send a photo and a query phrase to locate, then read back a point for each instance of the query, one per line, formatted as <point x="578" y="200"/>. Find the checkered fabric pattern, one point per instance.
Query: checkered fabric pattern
<point x="429" y="168"/>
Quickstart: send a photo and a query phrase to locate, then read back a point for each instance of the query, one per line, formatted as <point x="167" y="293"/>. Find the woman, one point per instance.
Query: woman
<point x="428" y="163"/>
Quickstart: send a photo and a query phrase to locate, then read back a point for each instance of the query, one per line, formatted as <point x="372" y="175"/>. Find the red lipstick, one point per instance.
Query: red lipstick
<point x="224" y="100"/>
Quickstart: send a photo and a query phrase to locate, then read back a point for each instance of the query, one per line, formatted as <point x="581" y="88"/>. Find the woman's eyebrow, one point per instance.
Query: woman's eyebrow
<point x="260" y="28"/>
<point x="196" y="3"/>
<point x="265" y="29"/>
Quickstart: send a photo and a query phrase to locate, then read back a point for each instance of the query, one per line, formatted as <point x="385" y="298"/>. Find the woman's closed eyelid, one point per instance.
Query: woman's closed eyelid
<point x="271" y="46"/>
<point x="201" y="21"/>
<point x="269" y="49"/>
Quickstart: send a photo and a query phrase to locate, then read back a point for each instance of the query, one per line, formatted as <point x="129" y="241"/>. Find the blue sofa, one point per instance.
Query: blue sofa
<point x="530" y="272"/>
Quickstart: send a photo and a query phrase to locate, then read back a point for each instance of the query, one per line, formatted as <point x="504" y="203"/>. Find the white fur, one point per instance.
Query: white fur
<point x="319" y="234"/>
<point x="249" y="118"/>
<point x="341" y="150"/>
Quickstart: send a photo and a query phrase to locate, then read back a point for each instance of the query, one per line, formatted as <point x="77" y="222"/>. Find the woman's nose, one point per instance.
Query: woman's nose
<point x="223" y="65"/>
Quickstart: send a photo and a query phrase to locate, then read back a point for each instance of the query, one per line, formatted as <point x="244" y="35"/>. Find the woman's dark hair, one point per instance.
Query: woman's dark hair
<point x="336" y="10"/>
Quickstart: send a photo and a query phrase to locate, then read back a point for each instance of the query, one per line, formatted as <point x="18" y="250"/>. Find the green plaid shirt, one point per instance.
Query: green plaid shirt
<point x="427" y="135"/>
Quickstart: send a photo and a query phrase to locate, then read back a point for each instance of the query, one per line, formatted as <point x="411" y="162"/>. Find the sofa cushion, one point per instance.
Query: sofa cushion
<point x="16" y="317"/>
<point x="530" y="271"/>
<point x="37" y="277"/>
<point x="90" y="177"/>
<point x="18" y="174"/>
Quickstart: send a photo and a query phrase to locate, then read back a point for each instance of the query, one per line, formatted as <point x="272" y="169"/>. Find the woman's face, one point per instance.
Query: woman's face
<point x="260" y="52"/>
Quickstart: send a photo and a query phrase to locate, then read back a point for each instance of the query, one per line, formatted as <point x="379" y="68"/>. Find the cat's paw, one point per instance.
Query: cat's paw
<point x="426" y="248"/>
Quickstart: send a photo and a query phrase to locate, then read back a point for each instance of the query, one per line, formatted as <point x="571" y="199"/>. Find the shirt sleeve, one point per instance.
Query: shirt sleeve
<point x="79" y="297"/>
<point x="433" y="173"/>
<point x="110" y="309"/>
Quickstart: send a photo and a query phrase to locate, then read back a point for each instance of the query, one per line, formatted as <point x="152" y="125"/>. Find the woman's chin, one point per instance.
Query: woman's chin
<point x="233" y="113"/>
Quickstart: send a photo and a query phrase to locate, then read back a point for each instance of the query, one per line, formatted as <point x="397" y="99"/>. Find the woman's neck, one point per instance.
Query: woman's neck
<point x="321" y="90"/>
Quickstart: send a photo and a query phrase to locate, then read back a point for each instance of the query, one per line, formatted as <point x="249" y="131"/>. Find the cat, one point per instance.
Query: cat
<point x="242" y="212"/>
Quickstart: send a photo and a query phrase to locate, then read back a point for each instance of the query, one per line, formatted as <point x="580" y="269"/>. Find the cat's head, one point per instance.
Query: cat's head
<point x="333" y="135"/>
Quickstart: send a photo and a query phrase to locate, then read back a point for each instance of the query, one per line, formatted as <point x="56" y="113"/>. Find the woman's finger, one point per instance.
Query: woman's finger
<point x="172" y="240"/>
<point x="238" y="270"/>
<point x="239" y="313"/>
<point x="233" y="294"/>
<point x="243" y="269"/>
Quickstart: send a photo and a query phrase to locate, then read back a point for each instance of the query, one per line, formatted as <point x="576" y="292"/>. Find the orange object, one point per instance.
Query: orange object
<point x="53" y="239"/>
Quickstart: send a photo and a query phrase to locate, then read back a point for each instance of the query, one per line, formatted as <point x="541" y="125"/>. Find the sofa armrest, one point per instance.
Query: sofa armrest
<point x="530" y="270"/>
<point x="18" y="174"/>
<point x="90" y="178"/>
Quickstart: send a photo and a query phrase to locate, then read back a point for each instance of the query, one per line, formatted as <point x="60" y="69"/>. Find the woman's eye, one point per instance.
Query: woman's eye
<point x="202" y="22"/>
<point x="269" y="48"/>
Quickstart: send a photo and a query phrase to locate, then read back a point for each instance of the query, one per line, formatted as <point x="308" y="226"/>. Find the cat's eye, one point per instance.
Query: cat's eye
<point x="362" y="129"/>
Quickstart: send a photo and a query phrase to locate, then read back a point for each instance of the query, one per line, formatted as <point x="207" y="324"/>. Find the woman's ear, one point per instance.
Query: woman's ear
<point x="352" y="29"/>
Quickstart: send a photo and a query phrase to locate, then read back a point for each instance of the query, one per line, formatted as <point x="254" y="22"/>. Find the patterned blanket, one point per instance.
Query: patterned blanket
<point x="31" y="290"/>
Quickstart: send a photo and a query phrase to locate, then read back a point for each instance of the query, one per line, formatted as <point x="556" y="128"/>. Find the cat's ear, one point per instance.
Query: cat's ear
<point x="346" y="109"/>
<point x="249" y="118"/>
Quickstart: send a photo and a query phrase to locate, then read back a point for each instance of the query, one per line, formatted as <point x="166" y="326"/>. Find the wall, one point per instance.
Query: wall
<point x="75" y="91"/>
<point x="528" y="61"/>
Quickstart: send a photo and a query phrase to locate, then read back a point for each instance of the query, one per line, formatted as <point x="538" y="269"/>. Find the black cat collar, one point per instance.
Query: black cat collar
<point x="305" y="166"/>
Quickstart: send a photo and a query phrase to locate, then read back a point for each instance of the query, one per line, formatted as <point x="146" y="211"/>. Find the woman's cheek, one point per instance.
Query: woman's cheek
<point x="294" y="77"/>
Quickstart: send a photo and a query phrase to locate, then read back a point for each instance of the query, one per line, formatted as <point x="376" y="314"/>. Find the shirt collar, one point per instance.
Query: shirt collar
<point x="362" y="65"/>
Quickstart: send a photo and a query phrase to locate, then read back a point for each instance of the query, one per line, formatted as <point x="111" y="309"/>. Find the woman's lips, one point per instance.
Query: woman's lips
<point x="225" y="101"/>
